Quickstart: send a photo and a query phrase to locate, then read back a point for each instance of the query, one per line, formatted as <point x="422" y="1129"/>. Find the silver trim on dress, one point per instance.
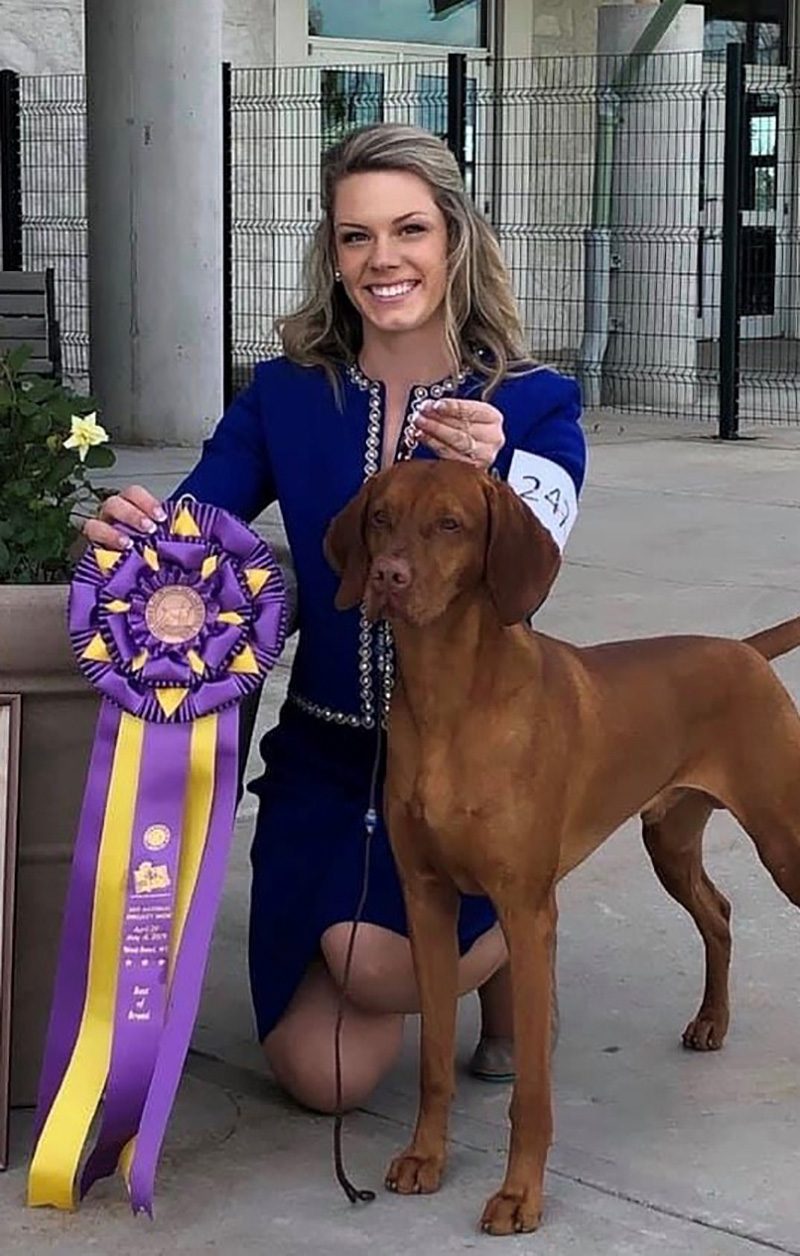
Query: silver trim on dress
<point x="375" y="641"/>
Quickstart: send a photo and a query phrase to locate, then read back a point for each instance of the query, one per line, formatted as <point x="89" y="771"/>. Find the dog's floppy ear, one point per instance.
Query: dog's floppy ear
<point x="346" y="551"/>
<point x="522" y="559"/>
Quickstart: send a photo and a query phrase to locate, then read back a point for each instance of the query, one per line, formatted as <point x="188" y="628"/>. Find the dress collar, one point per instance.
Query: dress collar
<point x="436" y="389"/>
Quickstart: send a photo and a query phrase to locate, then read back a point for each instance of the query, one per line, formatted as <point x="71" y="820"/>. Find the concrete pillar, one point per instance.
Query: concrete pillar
<point x="652" y="352"/>
<point x="291" y="32"/>
<point x="154" y="125"/>
<point x="516" y="30"/>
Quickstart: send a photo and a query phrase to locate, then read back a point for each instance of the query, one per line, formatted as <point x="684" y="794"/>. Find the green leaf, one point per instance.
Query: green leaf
<point x="42" y="484"/>
<point x="63" y="467"/>
<point x="100" y="456"/>
<point x="16" y="358"/>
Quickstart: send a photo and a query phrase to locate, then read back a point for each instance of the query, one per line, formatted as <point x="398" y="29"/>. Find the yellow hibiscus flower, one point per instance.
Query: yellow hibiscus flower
<point x="86" y="432"/>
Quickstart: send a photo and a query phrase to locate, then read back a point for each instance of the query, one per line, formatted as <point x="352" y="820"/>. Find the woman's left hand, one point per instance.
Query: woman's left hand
<point x="469" y="431"/>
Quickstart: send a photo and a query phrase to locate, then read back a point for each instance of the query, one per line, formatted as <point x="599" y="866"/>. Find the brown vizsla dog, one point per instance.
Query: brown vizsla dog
<point x="513" y="756"/>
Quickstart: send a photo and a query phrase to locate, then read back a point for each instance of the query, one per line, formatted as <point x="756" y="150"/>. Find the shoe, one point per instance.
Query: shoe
<point x="493" y="1060"/>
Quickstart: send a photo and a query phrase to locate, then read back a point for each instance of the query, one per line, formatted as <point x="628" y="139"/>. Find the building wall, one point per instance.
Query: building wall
<point x="42" y="37"/>
<point x="540" y="192"/>
<point x="46" y="36"/>
<point x="549" y="28"/>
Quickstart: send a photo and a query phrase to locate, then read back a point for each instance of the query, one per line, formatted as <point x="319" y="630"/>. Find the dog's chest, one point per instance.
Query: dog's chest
<point x="442" y="802"/>
<point x="445" y="797"/>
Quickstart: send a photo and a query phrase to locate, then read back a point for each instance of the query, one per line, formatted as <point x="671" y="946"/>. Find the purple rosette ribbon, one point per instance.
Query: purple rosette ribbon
<point x="174" y="633"/>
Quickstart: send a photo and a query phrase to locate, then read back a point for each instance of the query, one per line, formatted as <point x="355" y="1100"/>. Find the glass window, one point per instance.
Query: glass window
<point x="764" y="189"/>
<point x="719" y="33"/>
<point x="769" y="44"/>
<point x="432" y="115"/>
<point x="760" y="25"/>
<point x="350" y="98"/>
<point x="761" y="157"/>
<point x="459" y="23"/>
<point x="763" y="135"/>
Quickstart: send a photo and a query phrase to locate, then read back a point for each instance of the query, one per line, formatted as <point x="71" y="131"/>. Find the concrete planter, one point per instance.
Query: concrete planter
<point x="59" y="712"/>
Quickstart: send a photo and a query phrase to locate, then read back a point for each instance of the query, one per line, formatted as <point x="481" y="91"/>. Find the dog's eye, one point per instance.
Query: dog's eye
<point x="449" y="523"/>
<point x="380" y="518"/>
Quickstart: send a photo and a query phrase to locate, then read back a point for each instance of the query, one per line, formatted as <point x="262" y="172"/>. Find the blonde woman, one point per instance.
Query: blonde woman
<point x="407" y="345"/>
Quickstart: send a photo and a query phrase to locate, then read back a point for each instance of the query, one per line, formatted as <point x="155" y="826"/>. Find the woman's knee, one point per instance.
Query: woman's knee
<point x="300" y="1050"/>
<point x="307" y="1073"/>
<point x="381" y="977"/>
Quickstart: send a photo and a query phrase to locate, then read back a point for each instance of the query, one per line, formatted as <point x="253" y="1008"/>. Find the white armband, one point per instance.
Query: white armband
<point x="548" y="490"/>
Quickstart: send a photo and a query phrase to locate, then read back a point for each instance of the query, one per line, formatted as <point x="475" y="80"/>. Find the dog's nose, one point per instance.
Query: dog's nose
<point x="390" y="574"/>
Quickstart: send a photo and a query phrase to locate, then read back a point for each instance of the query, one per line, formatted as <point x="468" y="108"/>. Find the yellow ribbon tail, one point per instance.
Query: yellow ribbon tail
<point x="57" y="1154"/>
<point x="199" y="800"/>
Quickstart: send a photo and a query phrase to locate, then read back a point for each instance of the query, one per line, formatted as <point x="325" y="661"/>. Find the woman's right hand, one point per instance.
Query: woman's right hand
<point x="135" y="507"/>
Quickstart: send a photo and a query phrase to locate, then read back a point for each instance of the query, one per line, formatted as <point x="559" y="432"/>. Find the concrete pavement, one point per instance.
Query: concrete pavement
<point x="657" y="1150"/>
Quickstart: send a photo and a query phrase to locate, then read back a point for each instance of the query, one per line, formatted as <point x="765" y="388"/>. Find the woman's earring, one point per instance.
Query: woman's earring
<point x="337" y="274"/>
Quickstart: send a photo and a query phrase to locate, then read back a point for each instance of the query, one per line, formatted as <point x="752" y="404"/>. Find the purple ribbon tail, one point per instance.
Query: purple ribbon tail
<point x="69" y="991"/>
<point x="189" y="968"/>
<point x="144" y="952"/>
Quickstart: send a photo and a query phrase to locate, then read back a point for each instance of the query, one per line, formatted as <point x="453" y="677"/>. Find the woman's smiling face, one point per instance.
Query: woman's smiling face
<point x="391" y="249"/>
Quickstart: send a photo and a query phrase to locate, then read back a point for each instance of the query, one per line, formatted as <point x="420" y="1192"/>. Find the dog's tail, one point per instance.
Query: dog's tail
<point x="773" y="642"/>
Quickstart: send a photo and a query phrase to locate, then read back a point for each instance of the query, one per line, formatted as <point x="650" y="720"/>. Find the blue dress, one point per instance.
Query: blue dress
<point x="286" y="438"/>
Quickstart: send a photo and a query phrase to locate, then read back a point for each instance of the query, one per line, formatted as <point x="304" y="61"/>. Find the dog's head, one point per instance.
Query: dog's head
<point x="422" y="533"/>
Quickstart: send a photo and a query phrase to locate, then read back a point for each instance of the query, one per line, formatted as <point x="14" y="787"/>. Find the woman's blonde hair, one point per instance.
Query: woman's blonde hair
<point x="483" y="329"/>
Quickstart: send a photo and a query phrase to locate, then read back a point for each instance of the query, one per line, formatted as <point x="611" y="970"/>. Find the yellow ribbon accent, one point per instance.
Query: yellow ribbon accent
<point x="150" y="557"/>
<point x="117" y="606"/>
<point x="256" y="578"/>
<point x="196" y="663"/>
<point x="184" y="524"/>
<point x="199" y="797"/>
<point x="58" y="1151"/>
<point x="97" y="650"/>
<point x="139" y="662"/>
<point x="230" y="617"/>
<point x="209" y="566"/>
<point x="106" y="559"/>
<point x="170" y="699"/>
<point x="245" y="662"/>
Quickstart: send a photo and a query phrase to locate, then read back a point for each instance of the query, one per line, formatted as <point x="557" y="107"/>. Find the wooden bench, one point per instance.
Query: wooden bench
<point x="28" y="317"/>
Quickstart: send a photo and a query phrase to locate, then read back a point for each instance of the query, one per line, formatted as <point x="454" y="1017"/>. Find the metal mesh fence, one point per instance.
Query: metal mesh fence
<point x="768" y="243"/>
<point x="53" y="186"/>
<point x="605" y="181"/>
<point x="281" y="121"/>
<point x="596" y="207"/>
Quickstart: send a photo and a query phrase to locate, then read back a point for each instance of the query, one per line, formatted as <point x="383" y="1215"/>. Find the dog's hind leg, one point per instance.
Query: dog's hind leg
<point x="773" y="822"/>
<point x="674" y="841"/>
<point x="763" y="793"/>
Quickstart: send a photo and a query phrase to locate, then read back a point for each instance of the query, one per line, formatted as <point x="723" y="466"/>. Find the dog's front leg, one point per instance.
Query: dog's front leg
<point x="432" y="909"/>
<point x="530" y="936"/>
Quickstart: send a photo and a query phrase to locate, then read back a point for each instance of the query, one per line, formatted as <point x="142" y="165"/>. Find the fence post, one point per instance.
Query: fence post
<point x="10" y="171"/>
<point x="730" y="298"/>
<point x="227" y="241"/>
<point x="457" y="106"/>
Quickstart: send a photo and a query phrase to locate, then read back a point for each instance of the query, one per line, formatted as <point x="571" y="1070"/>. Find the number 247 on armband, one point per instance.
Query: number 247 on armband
<point x="554" y="497"/>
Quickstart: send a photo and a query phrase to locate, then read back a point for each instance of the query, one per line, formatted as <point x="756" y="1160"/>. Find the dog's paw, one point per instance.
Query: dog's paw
<point x="706" y="1032"/>
<point x="510" y="1212"/>
<point x="411" y="1174"/>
